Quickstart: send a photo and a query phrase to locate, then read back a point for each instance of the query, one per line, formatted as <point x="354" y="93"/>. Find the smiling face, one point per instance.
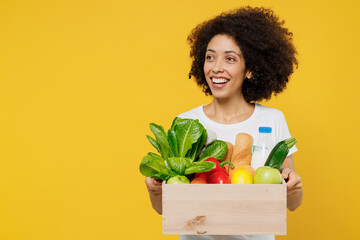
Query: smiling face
<point x="224" y="67"/>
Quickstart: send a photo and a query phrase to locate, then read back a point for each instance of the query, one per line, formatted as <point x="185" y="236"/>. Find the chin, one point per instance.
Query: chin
<point x="221" y="95"/>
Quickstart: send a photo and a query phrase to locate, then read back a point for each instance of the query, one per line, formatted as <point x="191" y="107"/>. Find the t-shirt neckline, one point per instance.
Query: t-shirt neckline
<point x="222" y="125"/>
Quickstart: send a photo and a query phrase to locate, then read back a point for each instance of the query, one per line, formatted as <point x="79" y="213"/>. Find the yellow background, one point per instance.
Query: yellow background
<point x="81" y="80"/>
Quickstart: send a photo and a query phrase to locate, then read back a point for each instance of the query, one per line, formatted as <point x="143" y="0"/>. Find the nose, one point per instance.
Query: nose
<point x="218" y="66"/>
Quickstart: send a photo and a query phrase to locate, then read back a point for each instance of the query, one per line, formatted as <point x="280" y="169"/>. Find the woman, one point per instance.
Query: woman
<point x="241" y="57"/>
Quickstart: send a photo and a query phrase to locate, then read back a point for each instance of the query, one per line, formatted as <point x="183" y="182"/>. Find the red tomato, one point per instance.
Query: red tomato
<point x="198" y="181"/>
<point x="218" y="178"/>
<point x="202" y="175"/>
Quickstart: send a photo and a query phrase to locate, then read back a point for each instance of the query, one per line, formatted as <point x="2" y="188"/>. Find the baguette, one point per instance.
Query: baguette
<point x="241" y="157"/>
<point x="242" y="149"/>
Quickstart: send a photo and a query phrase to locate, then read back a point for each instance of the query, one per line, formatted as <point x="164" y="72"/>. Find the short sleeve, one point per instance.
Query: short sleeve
<point x="282" y="131"/>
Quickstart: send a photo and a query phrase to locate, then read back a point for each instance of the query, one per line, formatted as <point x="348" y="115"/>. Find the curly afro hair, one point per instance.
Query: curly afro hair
<point x="265" y="44"/>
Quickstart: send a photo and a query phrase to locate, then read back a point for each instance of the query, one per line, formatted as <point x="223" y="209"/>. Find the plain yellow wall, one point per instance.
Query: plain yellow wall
<point x="81" y="80"/>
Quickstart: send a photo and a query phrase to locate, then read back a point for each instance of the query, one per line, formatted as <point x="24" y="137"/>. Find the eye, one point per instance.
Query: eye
<point x="209" y="57"/>
<point x="231" y="59"/>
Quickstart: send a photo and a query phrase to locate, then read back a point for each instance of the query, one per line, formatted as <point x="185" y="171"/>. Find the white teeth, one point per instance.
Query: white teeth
<point x="219" y="80"/>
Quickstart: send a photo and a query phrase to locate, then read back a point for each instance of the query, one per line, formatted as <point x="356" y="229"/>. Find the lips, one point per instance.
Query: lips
<point x="219" y="82"/>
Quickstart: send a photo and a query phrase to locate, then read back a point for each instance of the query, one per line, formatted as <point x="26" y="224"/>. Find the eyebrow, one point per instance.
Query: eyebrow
<point x="230" y="51"/>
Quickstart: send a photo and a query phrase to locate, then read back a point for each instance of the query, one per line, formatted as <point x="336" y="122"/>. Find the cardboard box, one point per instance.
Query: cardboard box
<point x="224" y="209"/>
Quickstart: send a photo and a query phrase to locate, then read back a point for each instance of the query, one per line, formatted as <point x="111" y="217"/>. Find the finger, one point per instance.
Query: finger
<point x="291" y="182"/>
<point x="297" y="188"/>
<point x="151" y="186"/>
<point x="285" y="173"/>
<point x="294" y="177"/>
<point x="290" y="185"/>
<point x="154" y="188"/>
<point x="157" y="181"/>
<point x="149" y="180"/>
<point x="298" y="185"/>
<point x="294" y="183"/>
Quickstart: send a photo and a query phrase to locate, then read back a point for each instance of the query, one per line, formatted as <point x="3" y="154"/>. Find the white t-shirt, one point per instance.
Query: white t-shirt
<point x="262" y="117"/>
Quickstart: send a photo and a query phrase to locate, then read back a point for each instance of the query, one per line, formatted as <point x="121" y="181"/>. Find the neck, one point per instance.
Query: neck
<point x="228" y="111"/>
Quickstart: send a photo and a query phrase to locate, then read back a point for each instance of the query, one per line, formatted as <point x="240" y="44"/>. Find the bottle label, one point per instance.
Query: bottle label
<point x="258" y="148"/>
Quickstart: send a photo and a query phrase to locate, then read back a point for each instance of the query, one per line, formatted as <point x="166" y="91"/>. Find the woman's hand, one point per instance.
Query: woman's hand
<point x="154" y="187"/>
<point x="293" y="181"/>
<point x="294" y="188"/>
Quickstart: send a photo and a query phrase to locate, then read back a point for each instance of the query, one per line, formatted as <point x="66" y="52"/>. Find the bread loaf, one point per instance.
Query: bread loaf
<point x="242" y="149"/>
<point x="241" y="157"/>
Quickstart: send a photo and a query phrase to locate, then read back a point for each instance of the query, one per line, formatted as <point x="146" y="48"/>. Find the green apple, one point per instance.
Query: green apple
<point x="178" y="180"/>
<point x="267" y="175"/>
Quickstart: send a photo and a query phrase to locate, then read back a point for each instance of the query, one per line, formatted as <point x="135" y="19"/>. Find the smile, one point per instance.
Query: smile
<point x="219" y="82"/>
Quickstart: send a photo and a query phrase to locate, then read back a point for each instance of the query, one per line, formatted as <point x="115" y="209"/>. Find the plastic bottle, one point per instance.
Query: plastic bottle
<point x="262" y="148"/>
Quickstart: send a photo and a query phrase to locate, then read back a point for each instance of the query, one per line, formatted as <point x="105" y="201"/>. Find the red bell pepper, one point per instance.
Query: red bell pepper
<point x="218" y="178"/>
<point x="217" y="168"/>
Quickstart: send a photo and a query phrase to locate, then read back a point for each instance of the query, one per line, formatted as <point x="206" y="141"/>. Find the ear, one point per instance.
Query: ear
<point x="248" y="74"/>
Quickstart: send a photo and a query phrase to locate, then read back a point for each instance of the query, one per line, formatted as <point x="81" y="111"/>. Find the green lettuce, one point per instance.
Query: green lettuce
<point x="180" y="149"/>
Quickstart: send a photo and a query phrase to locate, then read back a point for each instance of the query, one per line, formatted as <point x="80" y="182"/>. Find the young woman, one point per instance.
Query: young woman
<point x="240" y="58"/>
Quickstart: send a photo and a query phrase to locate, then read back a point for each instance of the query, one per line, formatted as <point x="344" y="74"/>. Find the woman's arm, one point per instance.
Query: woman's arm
<point x="154" y="187"/>
<point x="293" y="182"/>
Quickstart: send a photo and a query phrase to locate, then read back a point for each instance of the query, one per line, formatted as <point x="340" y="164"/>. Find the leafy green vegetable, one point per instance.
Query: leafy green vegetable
<point x="200" y="167"/>
<point x="174" y="123"/>
<point x="217" y="149"/>
<point x="161" y="138"/>
<point x="188" y="131"/>
<point x="154" y="143"/>
<point x="173" y="143"/>
<point x="180" y="148"/>
<point x="179" y="164"/>
<point x="195" y="150"/>
<point x="159" y="158"/>
<point x="155" y="167"/>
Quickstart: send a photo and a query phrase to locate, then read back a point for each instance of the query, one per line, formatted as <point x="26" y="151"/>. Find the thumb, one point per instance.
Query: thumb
<point x="285" y="173"/>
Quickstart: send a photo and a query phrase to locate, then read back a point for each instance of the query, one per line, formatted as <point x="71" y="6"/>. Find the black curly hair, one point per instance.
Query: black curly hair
<point x="265" y="44"/>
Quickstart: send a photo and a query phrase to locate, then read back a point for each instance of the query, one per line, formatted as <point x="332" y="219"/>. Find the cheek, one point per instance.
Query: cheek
<point x="238" y="72"/>
<point x="207" y="68"/>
